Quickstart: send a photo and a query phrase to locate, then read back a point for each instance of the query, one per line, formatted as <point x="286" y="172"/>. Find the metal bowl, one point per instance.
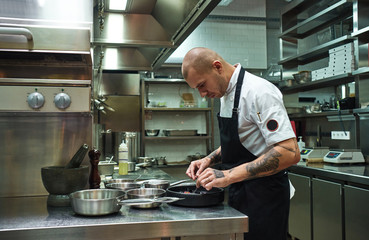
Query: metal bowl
<point x="123" y="185"/>
<point x="152" y="132"/>
<point x="146" y="193"/>
<point x="96" y="202"/>
<point x="106" y="167"/>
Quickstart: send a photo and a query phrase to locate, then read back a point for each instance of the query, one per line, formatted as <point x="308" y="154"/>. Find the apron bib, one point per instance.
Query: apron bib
<point x="264" y="200"/>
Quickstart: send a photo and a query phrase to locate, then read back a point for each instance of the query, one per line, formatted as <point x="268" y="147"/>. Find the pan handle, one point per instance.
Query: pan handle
<point x="140" y="201"/>
<point x="180" y="181"/>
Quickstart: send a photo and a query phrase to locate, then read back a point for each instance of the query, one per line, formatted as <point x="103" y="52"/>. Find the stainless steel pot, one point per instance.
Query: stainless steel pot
<point x="146" y="193"/>
<point x="96" y="202"/>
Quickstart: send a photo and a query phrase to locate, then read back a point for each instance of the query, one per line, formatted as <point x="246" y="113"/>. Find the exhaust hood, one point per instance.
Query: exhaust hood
<point x="143" y="36"/>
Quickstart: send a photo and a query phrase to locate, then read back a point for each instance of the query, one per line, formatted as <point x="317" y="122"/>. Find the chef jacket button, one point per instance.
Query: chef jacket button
<point x="231" y="98"/>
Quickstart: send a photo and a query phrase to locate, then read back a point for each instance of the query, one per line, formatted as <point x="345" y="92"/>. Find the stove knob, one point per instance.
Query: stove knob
<point x="35" y="100"/>
<point x="62" y="100"/>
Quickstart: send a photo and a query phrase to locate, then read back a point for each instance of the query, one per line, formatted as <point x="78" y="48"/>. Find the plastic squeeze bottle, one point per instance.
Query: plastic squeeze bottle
<point x="123" y="158"/>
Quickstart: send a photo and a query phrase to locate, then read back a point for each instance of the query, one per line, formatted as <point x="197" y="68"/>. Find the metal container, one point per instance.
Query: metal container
<point x="146" y="193"/>
<point x="171" y="132"/>
<point x="145" y="161"/>
<point x="131" y="166"/>
<point x="152" y="132"/>
<point x="96" y="202"/>
<point x="106" y="167"/>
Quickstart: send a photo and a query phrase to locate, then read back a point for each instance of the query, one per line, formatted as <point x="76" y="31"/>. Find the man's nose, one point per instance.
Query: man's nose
<point x="202" y="93"/>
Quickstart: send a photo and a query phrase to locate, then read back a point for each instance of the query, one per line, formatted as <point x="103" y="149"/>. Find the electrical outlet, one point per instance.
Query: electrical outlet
<point x="340" y="135"/>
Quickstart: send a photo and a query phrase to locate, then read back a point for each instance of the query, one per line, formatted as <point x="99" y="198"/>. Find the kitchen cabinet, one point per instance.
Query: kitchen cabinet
<point x="356" y="213"/>
<point x="332" y="198"/>
<point x="299" y="225"/>
<point x="327" y="210"/>
<point x="162" y="108"/>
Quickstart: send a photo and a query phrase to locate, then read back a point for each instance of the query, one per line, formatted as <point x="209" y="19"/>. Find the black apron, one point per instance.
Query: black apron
<point x="264" y="200"/>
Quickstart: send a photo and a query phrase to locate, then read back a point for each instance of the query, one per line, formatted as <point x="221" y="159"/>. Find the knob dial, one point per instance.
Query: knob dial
<point x="35" y="100"/>
<point x="62" y="100"/>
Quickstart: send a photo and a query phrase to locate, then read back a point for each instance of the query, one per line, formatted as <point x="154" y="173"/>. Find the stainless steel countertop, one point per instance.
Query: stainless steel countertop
<point x="353" y="173"/>
<point x="31" y="218"/>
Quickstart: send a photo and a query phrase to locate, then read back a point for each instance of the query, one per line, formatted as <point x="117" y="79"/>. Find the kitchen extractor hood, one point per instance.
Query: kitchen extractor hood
<point x="143" y="36"/>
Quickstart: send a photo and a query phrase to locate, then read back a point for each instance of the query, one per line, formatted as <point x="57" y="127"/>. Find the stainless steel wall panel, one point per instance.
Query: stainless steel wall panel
<point x="126" y="117"/>
<point x="31" y="141"/>
<point x="120" y="84"/>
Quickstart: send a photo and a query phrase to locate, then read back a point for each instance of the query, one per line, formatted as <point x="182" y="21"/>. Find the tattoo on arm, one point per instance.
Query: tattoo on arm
<point x="269" y="164"/>
<point x="218" y="174"/>
<point x="215" y="157"/>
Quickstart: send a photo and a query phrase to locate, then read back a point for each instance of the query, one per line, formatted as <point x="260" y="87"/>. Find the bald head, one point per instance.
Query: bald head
<point x="200" y="59"/>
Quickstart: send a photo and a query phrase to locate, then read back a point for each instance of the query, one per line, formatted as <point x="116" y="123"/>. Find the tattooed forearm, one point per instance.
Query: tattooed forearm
<point x="215" y="157"/>
<point x="218" y="174"/>
<point x="268" y="165"/>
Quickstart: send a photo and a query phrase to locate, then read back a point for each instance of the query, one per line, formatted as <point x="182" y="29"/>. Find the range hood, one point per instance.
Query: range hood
<point x="144" y="36"/>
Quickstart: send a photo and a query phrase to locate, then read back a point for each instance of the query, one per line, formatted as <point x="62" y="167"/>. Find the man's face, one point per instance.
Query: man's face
<point x="210" y="84"/>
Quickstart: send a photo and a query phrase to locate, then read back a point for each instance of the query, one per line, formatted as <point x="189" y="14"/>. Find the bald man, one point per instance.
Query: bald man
<point x="257" y="142"/>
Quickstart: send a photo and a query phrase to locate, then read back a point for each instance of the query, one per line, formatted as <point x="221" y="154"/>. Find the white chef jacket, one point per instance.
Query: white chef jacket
<point x="262" y="117"/>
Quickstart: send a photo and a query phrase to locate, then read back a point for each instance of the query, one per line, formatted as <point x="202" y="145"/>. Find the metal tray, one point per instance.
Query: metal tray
<point x="172" y="132"/>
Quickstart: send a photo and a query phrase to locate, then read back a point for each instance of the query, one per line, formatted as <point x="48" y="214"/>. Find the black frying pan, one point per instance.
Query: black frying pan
<point x="200" y="198"/>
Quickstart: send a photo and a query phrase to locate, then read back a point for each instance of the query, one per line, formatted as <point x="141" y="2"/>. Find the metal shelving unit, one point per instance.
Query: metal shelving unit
<point x="208" y="138"/>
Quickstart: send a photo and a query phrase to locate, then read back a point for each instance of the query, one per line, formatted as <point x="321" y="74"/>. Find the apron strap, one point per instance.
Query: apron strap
<point x="238" y="90"/>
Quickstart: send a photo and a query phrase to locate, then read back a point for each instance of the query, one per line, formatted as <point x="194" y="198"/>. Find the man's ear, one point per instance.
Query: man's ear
<point x="218" y="66"/>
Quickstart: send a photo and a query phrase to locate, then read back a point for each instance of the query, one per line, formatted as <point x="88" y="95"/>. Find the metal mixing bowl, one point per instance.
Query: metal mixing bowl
<point x="152" y="132"/>
<point x="96" y="202"/>
<point x="146" y="193"/>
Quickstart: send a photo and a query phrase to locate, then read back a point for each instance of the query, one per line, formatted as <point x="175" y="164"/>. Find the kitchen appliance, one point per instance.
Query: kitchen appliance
<point x="344" y="156"/>
<point x="45" y="89"/>
<point x="315" y="154"/>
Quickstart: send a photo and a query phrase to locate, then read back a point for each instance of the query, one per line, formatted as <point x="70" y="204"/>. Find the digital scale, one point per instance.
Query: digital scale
<point x="314" y="154"/>
<point x="344" y="156"/>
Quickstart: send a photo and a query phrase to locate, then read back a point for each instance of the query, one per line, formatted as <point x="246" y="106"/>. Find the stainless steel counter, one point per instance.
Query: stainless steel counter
<point x="31" y="218"/>
<point x="351" y="174"/>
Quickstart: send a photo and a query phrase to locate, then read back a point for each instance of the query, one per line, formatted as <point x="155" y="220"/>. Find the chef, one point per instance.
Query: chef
<point x="257" y="142"/>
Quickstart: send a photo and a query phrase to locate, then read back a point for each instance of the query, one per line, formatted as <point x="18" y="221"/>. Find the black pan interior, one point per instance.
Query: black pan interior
<point x="196" y="198"/>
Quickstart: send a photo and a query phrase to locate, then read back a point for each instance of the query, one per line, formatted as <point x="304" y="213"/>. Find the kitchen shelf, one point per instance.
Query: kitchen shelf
<point x="362" y="34"/>
<point x="164" y="80"/>
<point x="361" y="71"/>
<point x="320" y="114"/>
<point x="327" y="82"/>
<point x="316" y="52"/>
<point x="178" y="138"/>
<point x="183" y="115"/>
<point x="164" y="109"/>
<point x="337" y="11"/>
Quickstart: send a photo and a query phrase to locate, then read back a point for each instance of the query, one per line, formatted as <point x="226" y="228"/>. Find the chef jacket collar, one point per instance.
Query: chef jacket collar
<point x="233" y="82"/>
